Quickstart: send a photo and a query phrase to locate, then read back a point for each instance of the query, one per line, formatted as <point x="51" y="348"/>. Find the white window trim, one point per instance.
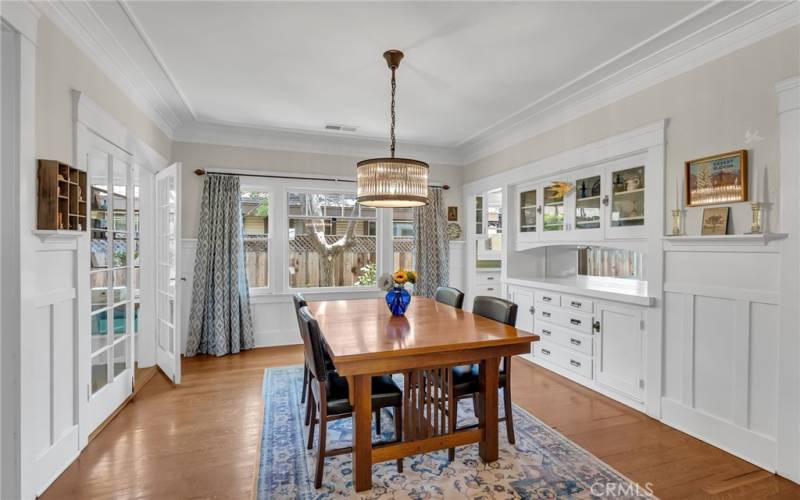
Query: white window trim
<point x="278" y="259"/>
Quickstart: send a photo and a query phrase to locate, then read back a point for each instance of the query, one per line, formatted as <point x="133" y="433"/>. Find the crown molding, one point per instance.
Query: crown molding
<point x="743" y="27"/>
<point x="310" y="142"/>
<point x="101" y="43"/>
<point x="117" y="44"/>
<point x="23" y="17"/>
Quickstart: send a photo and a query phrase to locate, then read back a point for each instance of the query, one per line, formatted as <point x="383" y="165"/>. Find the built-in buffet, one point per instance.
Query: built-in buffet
<point x="573" y="258"/>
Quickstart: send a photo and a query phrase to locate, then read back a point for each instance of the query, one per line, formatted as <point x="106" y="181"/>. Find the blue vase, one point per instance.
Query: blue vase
<point x="398" y="300"/>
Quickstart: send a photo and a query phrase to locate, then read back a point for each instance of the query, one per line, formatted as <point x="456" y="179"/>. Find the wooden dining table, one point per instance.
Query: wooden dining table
<point x="364" y="339"/>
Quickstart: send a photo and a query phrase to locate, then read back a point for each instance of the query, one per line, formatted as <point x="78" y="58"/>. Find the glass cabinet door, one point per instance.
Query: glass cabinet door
<point x="527" y="211"/>
<point x="587" y="202"/>
<point x="553" y="209"/>
<point x="479" y="215"/>
<point x="627" y="197"/>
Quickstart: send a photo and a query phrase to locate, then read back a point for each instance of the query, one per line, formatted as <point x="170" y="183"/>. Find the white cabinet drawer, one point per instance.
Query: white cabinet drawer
<point x="546" y="350"/>
<point x="484" y="278"/>
<point x="549" y="298"/>
<point x="577" y="303"/>
<point x="563" y="357"/>
<point x="577" y="321"/>
<point x="548" y="313"/>
<point x="566" y="337"/>
<point x="490" y="290"/>
<point x="577" y="363"/>
<point x="575" y="341"/>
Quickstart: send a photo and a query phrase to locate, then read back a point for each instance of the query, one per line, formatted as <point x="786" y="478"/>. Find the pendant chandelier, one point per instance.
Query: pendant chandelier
<point x="392" y="182"/>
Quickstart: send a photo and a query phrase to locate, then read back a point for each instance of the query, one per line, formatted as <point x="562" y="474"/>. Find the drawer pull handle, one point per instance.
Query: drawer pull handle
<point x="489" y="278"/>
<point x="575" y="322"/>
<point x="490" y="289"/>
<point x="546" y="332"/>
<point x="575" y="341"/>
<point x="545" y="352"/>
<point x="545" y="314"/>
<point x="545" y="298"/>
<point x="574" y="363"/>
<point x="576" y="304"/>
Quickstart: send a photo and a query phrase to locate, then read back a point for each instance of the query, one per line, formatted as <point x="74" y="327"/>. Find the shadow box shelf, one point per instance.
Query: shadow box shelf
<point x="61" y="197"/>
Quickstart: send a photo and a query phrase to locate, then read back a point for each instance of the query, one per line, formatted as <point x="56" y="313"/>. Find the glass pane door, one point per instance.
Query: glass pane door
<point x="527" y="211"/>
<point x="587" y="203"/>
<point x="627" y="197"/>
<point x="553" y="209"/>
<point x="479" y="215"/>
<point x="110" y="282"/>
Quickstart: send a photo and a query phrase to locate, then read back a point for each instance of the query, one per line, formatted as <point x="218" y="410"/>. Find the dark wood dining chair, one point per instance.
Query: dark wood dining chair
<point x="465" y="380"/>
<point x="299" y="302"/>
<point x="330" y="396"/>
<point x="450" y="296"/>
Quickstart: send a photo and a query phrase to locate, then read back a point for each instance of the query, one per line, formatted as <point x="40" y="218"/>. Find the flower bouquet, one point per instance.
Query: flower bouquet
<point x="397" y="297"/>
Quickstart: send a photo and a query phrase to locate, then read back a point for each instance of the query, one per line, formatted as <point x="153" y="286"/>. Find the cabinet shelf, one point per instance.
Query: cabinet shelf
<point x="629" y="191"/>
<point x="588" y="198"/>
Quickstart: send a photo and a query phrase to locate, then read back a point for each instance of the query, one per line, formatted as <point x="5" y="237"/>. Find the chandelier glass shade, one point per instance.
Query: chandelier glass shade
<point x="392" y="182"/>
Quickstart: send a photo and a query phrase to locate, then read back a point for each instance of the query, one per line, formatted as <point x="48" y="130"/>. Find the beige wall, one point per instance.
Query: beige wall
<point x="709" y="110"/>
<point x="208" y="156"/>
<point x="62" y="67"/>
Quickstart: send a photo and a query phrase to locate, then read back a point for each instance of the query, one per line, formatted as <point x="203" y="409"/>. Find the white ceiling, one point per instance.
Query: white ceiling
<point x="468" y="65"/>
<point x="478" y="76"/>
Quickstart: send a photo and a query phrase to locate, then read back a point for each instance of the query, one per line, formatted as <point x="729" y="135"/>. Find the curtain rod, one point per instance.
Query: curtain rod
<point x="200" y="171"/>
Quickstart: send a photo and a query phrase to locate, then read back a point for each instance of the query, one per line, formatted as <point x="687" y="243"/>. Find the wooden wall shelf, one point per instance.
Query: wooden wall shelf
<point x="61" y="197"/>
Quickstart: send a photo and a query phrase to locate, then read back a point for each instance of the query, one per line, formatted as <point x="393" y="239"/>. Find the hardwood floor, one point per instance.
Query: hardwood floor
<point x="200" y="439"/>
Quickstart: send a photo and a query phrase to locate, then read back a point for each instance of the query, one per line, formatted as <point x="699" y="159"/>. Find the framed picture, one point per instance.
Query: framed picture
<point x="717" y="179"/>
<point x="715" y="221"/>
<point x="452" y="214"/>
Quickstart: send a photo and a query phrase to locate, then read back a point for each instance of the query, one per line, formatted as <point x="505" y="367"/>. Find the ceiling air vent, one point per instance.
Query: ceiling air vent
<point x="338" y="127"/>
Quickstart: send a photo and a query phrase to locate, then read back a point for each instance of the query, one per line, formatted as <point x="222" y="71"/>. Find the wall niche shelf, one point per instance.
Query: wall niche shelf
<point x="726" y="239"/>
<point x="61" y="197"/>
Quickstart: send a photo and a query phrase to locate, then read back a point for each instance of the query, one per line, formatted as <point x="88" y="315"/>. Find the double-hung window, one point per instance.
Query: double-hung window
<point x="332" y="240"/>
<point x="255" y="205"/>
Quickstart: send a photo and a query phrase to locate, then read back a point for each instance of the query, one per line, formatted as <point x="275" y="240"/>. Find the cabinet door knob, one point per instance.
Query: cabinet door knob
<point x="596" y="326"/>
<point x="532" y="309"/>
<point x="605" y="200"/>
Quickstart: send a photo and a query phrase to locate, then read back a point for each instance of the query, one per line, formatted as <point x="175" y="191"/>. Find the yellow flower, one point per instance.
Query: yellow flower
<point x="400" y="277"/>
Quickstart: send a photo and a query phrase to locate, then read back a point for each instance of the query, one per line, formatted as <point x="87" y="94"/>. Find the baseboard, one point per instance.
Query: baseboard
<point x="758" y="449"/>
<point x="277" y="338"/>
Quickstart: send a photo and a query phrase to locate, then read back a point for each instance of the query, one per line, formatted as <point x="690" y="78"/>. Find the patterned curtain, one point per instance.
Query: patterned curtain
<point x="220" y="321"/>
<point x="431" y="244"/>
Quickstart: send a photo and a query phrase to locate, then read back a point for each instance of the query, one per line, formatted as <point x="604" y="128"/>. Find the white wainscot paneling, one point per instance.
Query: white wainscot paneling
<point x="50" y="421"/>
<point x="457" y="263"/>
<point x="721" y="348"/>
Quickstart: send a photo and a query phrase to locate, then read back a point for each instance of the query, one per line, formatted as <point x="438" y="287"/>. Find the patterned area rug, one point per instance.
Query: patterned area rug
<point x="542" y="464"/>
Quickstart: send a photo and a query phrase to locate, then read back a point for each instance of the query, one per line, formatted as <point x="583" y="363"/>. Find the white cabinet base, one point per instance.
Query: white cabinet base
<point x="586" y="382"/>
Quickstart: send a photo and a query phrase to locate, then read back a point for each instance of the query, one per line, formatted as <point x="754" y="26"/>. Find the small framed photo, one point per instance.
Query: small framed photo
<point x="715" y="221"/>
<point x="717" y="179"/>
<point x="452" y="214"/>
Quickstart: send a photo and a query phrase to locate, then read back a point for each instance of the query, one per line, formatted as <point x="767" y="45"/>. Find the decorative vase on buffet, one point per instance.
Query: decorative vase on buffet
<point x="398" y="297"/>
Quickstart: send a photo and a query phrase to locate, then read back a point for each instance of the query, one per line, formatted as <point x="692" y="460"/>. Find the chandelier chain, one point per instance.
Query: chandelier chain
<point x="394" y="87"/>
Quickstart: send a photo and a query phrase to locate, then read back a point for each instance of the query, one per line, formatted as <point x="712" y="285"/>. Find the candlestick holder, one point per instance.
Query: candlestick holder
<point x="757" y="224"/>
<point x="676" y="222"/>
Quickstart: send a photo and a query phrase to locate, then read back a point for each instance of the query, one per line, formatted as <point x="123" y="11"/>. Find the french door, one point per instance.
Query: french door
<point x="168" y="335"/>
<point x="113" y="206"/>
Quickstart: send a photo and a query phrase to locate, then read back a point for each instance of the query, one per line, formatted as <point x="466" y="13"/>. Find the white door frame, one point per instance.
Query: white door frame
<point x="17" y="190"/>
<point x="91" y="122"/>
